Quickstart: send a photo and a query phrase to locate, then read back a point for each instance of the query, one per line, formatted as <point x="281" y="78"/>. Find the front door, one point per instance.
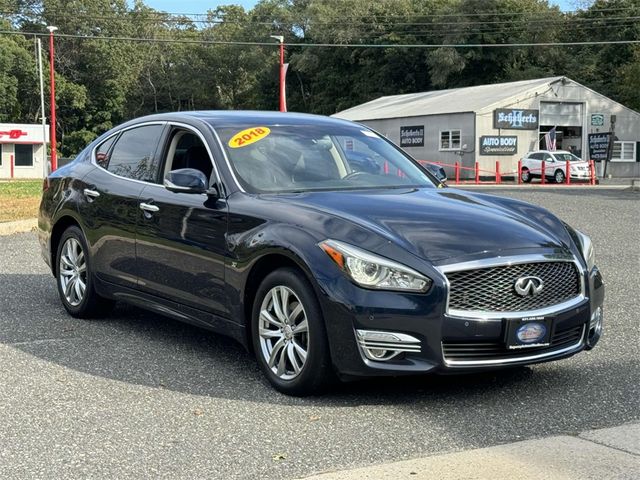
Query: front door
<point x="181" y="245"/>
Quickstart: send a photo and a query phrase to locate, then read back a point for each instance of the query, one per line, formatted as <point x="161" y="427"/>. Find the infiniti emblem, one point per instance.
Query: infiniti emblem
<point x="528" y="286"/>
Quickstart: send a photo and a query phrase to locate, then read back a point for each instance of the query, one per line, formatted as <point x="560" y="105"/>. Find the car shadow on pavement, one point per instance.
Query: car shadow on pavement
<point x="142" y="348"/>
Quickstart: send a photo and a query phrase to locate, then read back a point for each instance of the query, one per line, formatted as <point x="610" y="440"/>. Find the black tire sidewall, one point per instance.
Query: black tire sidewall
<point x="526" y="172"/>
<point x="315" y="372"/>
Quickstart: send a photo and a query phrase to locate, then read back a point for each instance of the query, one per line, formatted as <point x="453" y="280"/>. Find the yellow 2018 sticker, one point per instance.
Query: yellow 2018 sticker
<point x="248" y="136"/>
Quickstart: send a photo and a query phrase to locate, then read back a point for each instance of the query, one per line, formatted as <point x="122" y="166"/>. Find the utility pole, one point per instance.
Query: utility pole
<point x="43" y="117"/>
<point x="610" y="149"/>
<point x="283" y="100"/>
<point x="54" y="153"/>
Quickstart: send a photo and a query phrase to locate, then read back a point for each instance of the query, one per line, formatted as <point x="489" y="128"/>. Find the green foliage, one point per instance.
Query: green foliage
<point x="101" y="83"/>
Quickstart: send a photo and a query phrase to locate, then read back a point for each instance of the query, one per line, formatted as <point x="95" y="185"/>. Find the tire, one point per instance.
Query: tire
<point x="525" y="176"/>
<point x="280" y="337"/>
<point x="558" y="176"/>
<point x="73" y="270"/>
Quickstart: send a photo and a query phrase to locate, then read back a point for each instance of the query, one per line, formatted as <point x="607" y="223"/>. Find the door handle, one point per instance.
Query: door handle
<point x="91" y="193"/>
<point x="149" y="208"/>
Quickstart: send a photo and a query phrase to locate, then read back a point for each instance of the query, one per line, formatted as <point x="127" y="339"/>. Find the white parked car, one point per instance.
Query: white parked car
<point x="555" y="166"/>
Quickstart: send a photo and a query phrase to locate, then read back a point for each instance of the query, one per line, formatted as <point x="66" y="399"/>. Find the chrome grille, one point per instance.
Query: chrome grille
<point x="465" y="351"/>
<point x="492" y="289"/>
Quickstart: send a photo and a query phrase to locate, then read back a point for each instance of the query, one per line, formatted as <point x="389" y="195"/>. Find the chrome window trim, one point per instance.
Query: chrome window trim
<point x="226" y="158"/>
<point x="505" y="262"/>
<point x="93" y="152"/>
<point x="507" y="361"/>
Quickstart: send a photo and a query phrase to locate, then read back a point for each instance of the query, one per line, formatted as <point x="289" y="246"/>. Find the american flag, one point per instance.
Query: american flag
<point x="550" y="139"/>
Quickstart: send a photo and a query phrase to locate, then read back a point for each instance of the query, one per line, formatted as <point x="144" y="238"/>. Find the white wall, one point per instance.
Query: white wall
<point x="35" y="171"/>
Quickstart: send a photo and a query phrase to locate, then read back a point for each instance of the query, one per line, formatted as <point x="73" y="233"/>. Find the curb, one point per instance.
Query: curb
<point x="20" y="226"/>
<point x="596" y="454"/>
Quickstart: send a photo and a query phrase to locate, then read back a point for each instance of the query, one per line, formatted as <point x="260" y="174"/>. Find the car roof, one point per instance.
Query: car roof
<point x="548" y="151"/>
<point x="244" y="117"/>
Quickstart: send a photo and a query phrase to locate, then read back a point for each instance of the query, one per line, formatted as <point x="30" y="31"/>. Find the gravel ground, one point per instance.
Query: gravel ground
<point x="139" y="396"/>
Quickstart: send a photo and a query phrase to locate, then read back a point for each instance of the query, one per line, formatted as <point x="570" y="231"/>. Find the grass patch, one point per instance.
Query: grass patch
<point x="19" y="199"/>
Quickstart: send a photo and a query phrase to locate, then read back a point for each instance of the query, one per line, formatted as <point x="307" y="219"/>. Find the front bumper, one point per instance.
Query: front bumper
<point x="447" y="344"/>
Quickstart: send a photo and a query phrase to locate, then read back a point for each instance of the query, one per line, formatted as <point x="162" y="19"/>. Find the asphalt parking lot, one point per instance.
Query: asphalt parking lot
<point x="139" y="396"/>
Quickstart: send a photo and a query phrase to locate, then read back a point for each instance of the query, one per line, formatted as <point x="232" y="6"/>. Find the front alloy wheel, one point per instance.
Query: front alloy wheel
<point x="288" y="334"/>
<point x="525" y="176"/>
<point x="284" y="332"/>
<point x="559" y="176"/>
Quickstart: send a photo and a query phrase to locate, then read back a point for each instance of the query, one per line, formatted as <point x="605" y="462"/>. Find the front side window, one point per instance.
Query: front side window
<point x="300" y="158"/>
<point x="24" y="156"/>
<point x="450" y="140"/>
<point x="133" y="155"/>
<point x="566" y="157"/>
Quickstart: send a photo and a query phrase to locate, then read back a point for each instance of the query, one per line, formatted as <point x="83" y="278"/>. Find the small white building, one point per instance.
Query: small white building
<point x="23" y="150"/>
<point x="502" y="122"/>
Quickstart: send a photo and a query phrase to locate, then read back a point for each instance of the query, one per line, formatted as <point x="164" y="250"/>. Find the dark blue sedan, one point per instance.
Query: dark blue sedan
<point x="317" y="244"/>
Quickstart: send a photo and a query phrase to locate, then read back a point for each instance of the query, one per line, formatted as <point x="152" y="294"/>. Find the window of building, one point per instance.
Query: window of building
<point x="0" y="154"/>
<point x="624" y="152"/>
<point x="23" y="155"/>
<point x="450" y="140"/>
<point x="133" y="155"/>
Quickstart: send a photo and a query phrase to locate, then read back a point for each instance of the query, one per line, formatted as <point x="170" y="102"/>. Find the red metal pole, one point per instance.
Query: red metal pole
<point x="11" y="162"/>
<point x="54" y="153"/>
<point x="519" y="172"/>
<point x="592" y="179"/>
<point x="477" y="173"/>
<point x="543" y="174"/>
<point x="498" y="178"/>
<point x="567" y="179"/>
<point x="283" y="106"/>
<point x="457" y="170"/>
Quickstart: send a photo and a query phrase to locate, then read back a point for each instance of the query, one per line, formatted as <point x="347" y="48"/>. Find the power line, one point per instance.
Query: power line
<point x="322" y="45"/>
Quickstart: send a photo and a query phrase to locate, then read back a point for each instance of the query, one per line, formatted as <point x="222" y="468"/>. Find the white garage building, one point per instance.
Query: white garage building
<point x="22" y="150"/>
<point x="502" y="122"/>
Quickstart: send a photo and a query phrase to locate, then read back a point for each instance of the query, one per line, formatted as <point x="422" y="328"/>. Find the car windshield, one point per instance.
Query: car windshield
<point x="564" y="157"/>
<point x="298" y="158"/>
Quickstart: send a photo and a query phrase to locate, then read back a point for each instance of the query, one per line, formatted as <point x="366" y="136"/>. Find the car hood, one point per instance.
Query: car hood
<point x="437" y="224"/>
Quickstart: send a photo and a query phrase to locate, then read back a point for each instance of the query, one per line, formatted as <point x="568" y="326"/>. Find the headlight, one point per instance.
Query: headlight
<point x="371" y="271"/>
<point x="587" y="249"/>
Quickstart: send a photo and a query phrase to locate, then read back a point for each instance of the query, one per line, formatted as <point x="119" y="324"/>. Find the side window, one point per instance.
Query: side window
<point x="548" y="158"/>
<point x="102" y="152"/>
<point x="133" y="155"/>
<point x="535" y="156"/>
<point x="186" y="150"/>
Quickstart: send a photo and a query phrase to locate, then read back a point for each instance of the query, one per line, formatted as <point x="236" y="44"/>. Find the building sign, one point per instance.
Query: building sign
<point x="498" y="145"/>
<point x="14" y="134"/>
<point x="23" y="133"/>
<point x="597" y="120"/>
<point x="514" y="119"/>
<point x="412" y="136"/>
<point x="599" y="145"/>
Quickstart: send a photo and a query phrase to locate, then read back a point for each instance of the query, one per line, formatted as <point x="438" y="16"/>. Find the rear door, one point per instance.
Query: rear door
<point x="181" y="246"/>
<point x="110" y="200"/>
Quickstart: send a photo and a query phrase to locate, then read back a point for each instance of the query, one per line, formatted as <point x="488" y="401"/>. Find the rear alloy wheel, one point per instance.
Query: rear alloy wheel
<point x="525" y="176"/>
<point x="288" y="334"/>
<point x="559" y="176"/>
<point x="75" y="284"/>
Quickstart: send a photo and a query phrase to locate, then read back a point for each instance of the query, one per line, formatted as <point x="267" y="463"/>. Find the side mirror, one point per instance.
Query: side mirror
<point x="186" y="180"/>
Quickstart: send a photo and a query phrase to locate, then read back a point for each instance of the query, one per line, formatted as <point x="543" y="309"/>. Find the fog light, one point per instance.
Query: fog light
<point x="595" y="327"/>
<point x="382" y="346"/>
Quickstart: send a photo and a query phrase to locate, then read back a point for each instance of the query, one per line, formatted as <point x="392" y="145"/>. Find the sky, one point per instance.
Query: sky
<point x="201" y="6"/>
